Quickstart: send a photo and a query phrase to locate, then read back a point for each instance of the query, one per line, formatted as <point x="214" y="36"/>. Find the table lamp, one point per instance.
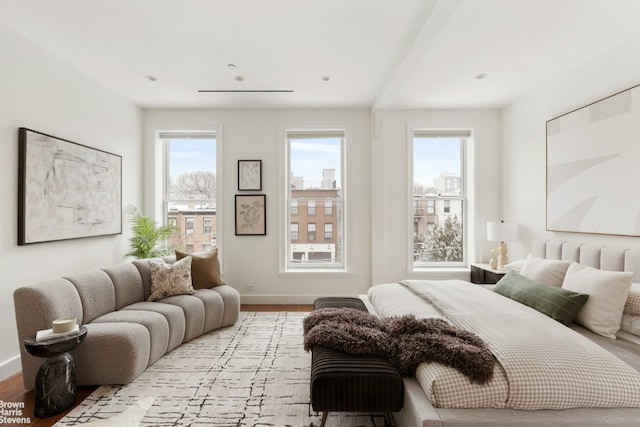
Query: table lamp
<point x="502" y="232"/>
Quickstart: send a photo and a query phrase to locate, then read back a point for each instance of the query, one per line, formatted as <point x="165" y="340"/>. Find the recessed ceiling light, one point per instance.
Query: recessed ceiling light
<point x="151" y="78"/>
<point x="481" y="76"/>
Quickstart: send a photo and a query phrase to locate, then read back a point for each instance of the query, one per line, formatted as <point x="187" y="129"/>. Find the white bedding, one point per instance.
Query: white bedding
<point x="541" y="363"/>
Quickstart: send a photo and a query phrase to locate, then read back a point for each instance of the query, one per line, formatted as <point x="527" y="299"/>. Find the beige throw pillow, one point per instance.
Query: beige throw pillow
<point x="632" y="306"/>
<point x="607" y="290"/>
<point x="205" y="268"/>
<point x="170" y="279"/>
<point x="546" y="271"/>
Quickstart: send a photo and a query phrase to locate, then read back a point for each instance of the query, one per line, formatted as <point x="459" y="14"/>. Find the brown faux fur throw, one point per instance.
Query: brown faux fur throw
<point x="405" y="341"/>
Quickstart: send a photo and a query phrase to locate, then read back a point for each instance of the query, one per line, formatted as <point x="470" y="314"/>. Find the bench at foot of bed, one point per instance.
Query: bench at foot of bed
<point x="342" y="382"/>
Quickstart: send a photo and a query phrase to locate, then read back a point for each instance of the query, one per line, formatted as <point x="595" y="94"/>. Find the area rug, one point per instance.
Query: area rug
<point x="254" y="373"/>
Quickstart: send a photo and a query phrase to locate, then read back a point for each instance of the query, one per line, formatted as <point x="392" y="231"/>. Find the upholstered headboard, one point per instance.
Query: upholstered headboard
<point x="602" y="257"/>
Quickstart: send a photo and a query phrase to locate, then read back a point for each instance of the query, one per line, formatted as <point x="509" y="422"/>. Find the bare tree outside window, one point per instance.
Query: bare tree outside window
<point x="190" y="188"/>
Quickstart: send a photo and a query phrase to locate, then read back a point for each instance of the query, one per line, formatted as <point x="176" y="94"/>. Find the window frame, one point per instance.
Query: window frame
<point x="161" y="178"/>
<point x="466" y="137"/>
<point x="287" y="268"/>
<point x="207" y="223"/>
<point x="328" y="231"/>
<point x="312" y="232"/>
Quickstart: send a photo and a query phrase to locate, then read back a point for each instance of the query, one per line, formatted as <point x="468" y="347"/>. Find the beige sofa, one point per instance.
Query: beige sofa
<point x="126" y="333"/>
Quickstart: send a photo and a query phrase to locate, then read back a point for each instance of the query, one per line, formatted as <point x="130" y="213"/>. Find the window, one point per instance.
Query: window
<point x="190" y="187"/>
<point x="438" y="190"/>
<point x="431" y="206"/>
<point x="328" y="231"/>
<point x="189" y="224"/>
<point x="314" y="176"/>
<point x="311" y="232"/>
<point x="328" y="208"/>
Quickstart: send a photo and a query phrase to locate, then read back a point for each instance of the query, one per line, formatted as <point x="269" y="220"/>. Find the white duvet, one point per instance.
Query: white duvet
<point x="542" y="364"/>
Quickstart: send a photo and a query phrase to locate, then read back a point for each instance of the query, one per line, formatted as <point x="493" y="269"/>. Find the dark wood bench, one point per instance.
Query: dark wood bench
<point x="342" y="382"/>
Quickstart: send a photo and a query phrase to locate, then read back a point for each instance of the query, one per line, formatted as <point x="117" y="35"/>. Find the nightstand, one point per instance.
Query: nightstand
<point x="483" y="274"/>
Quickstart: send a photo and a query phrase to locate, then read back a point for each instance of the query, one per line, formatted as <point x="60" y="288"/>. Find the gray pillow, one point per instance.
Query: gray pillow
<point x="558" y="303"/>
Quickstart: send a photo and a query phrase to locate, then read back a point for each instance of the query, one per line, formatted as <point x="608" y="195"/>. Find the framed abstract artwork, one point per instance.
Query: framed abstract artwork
<point x="250" y="175"/>
<point x="593" y="178"/>
<point x="66" y="190"/>
<point x="251" y="215"/>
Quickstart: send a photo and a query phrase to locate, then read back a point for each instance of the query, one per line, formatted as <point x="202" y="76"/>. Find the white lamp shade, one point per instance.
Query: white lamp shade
<point x="502" y="231"/>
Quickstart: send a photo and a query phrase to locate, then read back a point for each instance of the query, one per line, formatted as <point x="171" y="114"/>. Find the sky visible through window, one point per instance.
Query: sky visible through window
<point x="190" y="155"/>
<point x="434" y="156"/>
<point x="310" y="156"/>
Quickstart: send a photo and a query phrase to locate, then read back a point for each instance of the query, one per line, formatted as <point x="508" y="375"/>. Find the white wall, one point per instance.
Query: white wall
<point x="524" y="141"/>
<point x="389" y="177"/>
<point x="42" y="93"/>
<point x="256" y="134"/>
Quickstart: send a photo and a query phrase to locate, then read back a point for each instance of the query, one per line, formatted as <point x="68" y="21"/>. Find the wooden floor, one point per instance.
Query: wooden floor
<point x="12" y="389"/>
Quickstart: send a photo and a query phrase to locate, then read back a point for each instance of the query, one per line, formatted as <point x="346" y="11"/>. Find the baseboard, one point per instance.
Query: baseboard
<point x="283" y="299"/>
<point x="10" y="367"/>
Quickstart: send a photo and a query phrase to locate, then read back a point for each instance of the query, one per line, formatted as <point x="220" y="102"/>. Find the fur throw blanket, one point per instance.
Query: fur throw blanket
<point x="404" y="340"/>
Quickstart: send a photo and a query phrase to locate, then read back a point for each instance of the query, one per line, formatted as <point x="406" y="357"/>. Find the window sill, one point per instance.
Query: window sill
<point x="315" y="272"/>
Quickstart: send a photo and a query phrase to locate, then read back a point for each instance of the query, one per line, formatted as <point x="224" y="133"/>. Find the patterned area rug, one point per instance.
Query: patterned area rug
<point x="254" y="373"/>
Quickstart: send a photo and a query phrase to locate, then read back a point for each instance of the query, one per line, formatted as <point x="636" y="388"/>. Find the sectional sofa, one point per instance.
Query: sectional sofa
<point x="126" y="333"/>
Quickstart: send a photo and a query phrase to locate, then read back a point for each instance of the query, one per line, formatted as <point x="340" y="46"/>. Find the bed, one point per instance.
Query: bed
<point x="585" y="372"/>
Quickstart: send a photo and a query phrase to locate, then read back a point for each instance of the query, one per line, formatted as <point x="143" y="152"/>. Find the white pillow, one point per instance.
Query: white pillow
<point x="514" y="266"/>
<point x="546" y="271"/>
<point x="608" y="292"/>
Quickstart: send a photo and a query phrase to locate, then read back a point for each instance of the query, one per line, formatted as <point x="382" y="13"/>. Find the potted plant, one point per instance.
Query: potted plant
<point x="149" y="239"/>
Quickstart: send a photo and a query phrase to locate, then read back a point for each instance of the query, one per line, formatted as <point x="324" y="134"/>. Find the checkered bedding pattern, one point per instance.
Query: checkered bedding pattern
<point x="542" y="364"/>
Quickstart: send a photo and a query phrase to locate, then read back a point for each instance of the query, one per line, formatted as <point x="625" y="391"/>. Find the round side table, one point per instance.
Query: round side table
<point x="56" y="385"/>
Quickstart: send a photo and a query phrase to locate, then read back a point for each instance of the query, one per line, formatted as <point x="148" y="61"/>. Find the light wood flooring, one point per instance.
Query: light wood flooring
<point x="12" y="389"/>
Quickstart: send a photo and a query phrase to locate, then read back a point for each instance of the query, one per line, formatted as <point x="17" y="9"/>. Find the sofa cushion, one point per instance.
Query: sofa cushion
<point x="194" y="315"/>
<point x="111" y="353"/>
<point x="173" y="314"/>
<point x="205" y="268"/>
<point x="155" y="323"/>
<point x="145" y="273"/>
<point x="36" y="306"/>
<point x="231" y="299"/>
<point x="213" y="308"/>
<point x="96" y="293"/>
<point x="170" y="279"/>
<point x="127" y="284"/>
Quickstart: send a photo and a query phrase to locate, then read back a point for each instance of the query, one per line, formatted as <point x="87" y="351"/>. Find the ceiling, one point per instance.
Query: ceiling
<point x="378" y="54"/>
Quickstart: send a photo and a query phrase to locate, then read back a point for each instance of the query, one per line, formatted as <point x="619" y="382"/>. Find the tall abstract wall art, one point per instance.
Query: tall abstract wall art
<point x="66" y="190"/>
<point x="593" y="167"/>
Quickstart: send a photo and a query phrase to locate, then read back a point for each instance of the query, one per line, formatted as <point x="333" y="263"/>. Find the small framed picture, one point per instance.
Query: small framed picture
<point x="251" y="215"/>
<point x="249" y="175"/>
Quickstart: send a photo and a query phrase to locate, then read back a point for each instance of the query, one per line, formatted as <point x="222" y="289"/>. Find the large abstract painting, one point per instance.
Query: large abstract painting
<point x="593" y="167"/>
<point x="66" y="190"/>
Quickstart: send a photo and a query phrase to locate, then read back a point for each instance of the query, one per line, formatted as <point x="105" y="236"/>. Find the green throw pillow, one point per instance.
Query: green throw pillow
<point x="558" y="303"/>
